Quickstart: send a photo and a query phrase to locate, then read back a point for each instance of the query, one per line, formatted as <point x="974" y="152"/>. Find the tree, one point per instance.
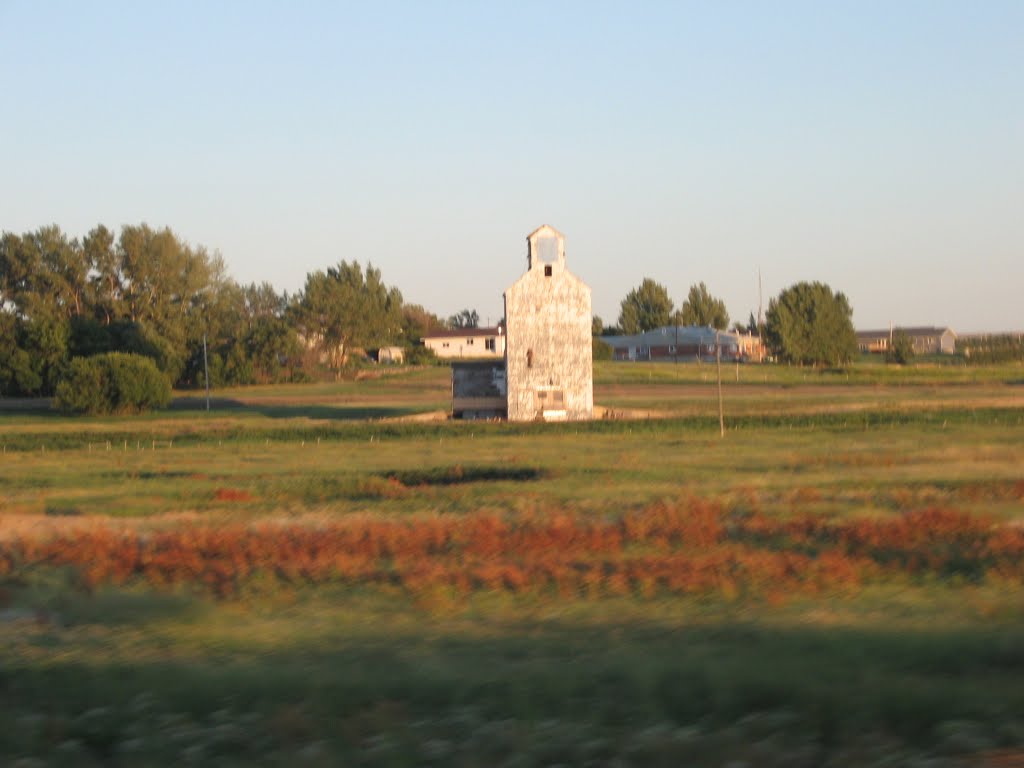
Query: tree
<point x="646" y="307"/>
<point x="417" y="322"/>
<point x="596" y="326"/>
<point x="599" y="350"/>
<point x="467" y="318"/>
<point x="105" y="281"/>
<point x="701" y="308"/>
<point x="114" y="382"/>
<point x="344" y="308"/>
<point x="808" y="324"/>
<point x="902" y="350"/>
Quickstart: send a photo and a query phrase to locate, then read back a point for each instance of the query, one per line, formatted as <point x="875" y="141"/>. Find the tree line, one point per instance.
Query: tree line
<point x="806" y="324"/>
<point x="147" y="292"/>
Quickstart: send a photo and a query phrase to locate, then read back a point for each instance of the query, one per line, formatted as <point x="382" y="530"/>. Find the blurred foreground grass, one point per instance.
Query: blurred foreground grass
<point x="911" y="670"/>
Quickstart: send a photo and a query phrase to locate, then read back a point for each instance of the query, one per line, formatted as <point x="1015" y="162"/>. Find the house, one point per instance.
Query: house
<point x="548" y="353"/>
<point x="925" y="340"/>
<point x="685" y="342"/>
<point x="467" y="343"/>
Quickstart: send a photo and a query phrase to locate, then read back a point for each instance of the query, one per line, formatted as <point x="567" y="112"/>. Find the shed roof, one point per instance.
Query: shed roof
<point x="669" y="334"/>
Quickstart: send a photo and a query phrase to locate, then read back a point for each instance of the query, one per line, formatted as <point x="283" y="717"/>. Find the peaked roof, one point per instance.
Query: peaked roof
<point x="545" y="226"/>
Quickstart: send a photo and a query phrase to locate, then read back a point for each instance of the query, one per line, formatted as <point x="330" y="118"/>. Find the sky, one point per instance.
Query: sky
<point x="876" y="146"/>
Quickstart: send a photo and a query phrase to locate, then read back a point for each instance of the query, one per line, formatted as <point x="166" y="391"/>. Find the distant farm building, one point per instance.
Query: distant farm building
<point x="925" y="340"/>
<point x="394" y="355"/>
<point x="461" y="343"/>
<point x="684" y="343"/>
<point x="548" y="356"/>
<point x="547" y="372"/>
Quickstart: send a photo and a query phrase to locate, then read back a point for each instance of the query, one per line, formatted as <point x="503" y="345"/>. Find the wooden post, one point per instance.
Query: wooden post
<point x="718" y="364"/>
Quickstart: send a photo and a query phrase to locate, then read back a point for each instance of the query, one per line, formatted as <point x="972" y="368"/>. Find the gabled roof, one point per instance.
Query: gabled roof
<point x="545" y="226"/>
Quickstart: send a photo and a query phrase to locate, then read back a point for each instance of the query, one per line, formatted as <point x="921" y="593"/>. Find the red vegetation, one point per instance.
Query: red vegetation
<point x="689" y="547"/>
<point x="231" y="494"/>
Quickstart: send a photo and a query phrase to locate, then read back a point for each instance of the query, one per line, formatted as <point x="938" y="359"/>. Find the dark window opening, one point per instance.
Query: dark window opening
<point x="547" y="270"/>
<point x="529" y="358"/>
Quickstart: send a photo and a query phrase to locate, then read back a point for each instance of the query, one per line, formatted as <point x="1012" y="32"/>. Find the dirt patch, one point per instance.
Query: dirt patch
<point x="459" y="475"/>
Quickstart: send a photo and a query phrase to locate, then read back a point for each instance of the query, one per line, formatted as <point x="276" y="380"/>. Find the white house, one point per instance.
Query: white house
<point x="480" y="343"/>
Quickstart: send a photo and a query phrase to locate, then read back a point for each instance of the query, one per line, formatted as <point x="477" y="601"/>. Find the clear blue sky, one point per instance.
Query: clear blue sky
<point x="877" y="146"/>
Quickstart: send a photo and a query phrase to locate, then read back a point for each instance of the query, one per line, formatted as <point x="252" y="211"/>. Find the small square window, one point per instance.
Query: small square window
<point x="547" y="270"/>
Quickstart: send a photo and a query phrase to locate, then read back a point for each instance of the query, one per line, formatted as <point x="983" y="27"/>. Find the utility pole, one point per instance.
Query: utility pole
<point x="760" y="321"/>
<point x="718" y="362"/>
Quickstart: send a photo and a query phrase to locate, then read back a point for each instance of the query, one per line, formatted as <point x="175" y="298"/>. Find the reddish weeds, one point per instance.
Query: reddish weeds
<point x="688" y="547"/>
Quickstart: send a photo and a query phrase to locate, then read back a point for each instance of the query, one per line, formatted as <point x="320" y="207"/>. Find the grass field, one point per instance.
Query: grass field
<point x="301" y="576"/>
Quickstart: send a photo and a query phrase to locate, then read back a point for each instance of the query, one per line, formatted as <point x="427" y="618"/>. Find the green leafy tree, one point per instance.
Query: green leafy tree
<point x="467" y="318"/>
<point x="18" y="376"/>
<point x="114" y="382"/>
<point x="596" y="326"/>
<point x="599" y="350"/>
<point x="105" y="280"/>
<point x="166" y="285"/>
<point x="646" y="307"/>
<point x="701" y="308"/>
<point x="274" y="349"/>
<point x="808" y="324"/>
<point x="901" y="351"/>
<point x="417" y="322"/>
<point x="343" y="308"/>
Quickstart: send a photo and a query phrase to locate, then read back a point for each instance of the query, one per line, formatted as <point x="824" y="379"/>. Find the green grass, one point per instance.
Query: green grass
<point x="897" y="671"/>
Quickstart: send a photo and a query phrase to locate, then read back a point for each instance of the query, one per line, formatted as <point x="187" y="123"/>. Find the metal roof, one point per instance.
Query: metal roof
<point x="672" y="335"/>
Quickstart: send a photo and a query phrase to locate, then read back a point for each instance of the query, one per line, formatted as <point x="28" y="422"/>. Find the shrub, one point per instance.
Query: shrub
<point x="419" y="354"/>
<point x="115" y="382"/>
<point x="902" y="350"/>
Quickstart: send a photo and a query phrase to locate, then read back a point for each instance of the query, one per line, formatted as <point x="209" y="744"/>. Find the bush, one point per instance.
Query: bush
<point x="600" y="350"/>
<point x="115" y="382"/>
<point x="419" y="354"/>
<point x="902" y="350"/>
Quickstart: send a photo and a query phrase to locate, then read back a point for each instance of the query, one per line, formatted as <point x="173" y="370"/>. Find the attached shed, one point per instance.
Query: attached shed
<point x="479" y="390"/>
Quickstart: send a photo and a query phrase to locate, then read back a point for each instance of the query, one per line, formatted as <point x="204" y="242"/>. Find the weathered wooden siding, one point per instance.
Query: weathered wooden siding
<point x="548" y="345"/>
